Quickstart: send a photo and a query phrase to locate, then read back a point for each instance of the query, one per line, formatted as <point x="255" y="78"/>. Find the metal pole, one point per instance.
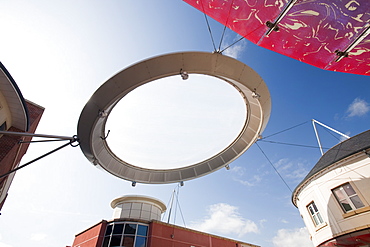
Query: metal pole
<point x="280" y="17"/>
<point x="336" y="131"/>
<point x="169" y="213"/>
<point x="317" y="137"/>
<point x="36" y="135"/>
<point x="354" y="44"/>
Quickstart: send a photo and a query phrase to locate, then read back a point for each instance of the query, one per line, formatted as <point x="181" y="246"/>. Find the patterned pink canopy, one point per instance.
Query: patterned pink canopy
<point x="329" y="34"/>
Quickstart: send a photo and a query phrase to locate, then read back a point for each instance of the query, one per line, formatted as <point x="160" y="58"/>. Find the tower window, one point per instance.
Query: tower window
<point x="126" y="234"/>
<point x="347" y="197"/>
<point x="315" y="214"/>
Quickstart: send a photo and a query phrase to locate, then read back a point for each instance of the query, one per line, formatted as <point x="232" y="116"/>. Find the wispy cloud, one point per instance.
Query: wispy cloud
<point x="238" y="173"/>
<point x="284" y="221"/>
<point x="294" y="170"/>
<point x="224" y="219"/>
<point x="358" y="108"/>
<point x="292" y="238"/>
<point x="236" y="50"/>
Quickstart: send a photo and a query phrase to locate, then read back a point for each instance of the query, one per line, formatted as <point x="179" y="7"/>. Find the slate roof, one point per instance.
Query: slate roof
<point x="353" y="145"/>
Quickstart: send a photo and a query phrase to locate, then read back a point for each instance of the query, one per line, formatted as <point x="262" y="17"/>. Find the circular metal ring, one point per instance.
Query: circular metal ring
<point x="91" y="125"/>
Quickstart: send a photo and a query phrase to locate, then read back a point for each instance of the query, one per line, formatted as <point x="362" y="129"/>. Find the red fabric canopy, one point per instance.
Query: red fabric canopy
<point x="329" y="34"/>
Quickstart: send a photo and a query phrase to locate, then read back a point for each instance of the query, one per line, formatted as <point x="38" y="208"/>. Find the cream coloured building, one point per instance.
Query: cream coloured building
<point x="334" y="198"/>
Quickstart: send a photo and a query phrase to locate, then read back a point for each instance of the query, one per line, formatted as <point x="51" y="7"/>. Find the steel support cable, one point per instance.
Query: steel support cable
<point x="330" y="132"/>
<point x="174" y="195"/>
<point x="241" y="38"/>
<point x="232" y="44"/>
<point x="285" y="130"/>
<point x="209" y="27"/>
<point x="307" y="146"/>
<point x="210" y="31"/>
<point x="178" y="203"/>
<point x="274" y="168"/>
<point x="168" y="204"/>
<point x="227" y="20"/>
<point x="290" y="144"/>
<point x="38" y="158"/>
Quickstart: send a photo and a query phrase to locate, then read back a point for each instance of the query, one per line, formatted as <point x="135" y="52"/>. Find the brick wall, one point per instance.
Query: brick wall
<point x="11" y="151"/>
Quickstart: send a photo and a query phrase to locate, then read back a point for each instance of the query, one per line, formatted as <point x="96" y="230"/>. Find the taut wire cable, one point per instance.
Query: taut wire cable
<point x="274" y="167"/>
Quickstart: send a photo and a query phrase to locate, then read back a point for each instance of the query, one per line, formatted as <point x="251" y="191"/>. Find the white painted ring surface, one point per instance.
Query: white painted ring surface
<point x="91" y="125"/>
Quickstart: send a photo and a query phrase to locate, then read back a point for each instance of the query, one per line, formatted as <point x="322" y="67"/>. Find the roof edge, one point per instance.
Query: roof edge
<point x="18" y="91"/>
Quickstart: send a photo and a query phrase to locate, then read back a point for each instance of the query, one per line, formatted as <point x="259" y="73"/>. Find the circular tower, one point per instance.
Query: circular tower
<point x="137" y="207"/>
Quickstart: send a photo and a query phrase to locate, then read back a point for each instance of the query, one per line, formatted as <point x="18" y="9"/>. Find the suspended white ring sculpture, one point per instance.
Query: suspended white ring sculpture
<point x="91" y="125"/>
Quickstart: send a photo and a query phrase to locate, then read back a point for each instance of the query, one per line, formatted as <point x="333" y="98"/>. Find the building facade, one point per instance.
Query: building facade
<point x="334" y="198"/>
<point x="136" y="223"/>
<point x="17" y="115"/>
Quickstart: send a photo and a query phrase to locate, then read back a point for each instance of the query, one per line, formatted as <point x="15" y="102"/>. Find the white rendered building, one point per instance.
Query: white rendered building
<point x="334" y="198"/>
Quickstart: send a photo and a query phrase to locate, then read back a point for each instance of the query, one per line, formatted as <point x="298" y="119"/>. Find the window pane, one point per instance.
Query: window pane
<point x="118" y="229"/>
<point x="339" y="193"/>
<point x="346" y="206"/>
<point x="140" y="242"/>
<point x="109" y="230"/>
<point x="115" y="241"/>
<point x="319" y="218"/>
<point x="315" y="214"/>
<point x="130" y="228"/>
<point x="311" y="210"/>
<point x="128" y="241"/>
<point x="142" y="230"/>
<point x="357" y="201"/>
<point x="106" y="241"/>
<point x="316" y="220"/>
<point x="348" y="189"/>
<point x="314" y="207"/>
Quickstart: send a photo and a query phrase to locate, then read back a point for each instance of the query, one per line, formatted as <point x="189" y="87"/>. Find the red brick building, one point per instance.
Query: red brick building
<point x="18" y="115"/>
<point x="136" y="224"/>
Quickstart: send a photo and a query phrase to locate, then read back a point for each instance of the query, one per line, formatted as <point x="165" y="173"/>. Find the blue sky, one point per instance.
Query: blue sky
<point x="60" y="52"/>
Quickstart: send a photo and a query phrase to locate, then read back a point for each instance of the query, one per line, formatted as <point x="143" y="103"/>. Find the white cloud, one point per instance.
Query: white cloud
<point x="236" y="50"/>
<point x="294" y="170"/>
<point x="292" y="238"/>
<point x="358" y="107"/>
<point x="284" y="221"/>
<point x="262" y="222"/>
<point x="38" y="236"/>
<point x="3" y="244"/>
<point x="239" y="171"/>
<point x="224" y="219"/>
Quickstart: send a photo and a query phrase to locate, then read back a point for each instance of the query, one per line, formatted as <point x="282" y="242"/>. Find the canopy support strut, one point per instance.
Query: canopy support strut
<point x="274" y="26"/>
<point x="343" y="54"/>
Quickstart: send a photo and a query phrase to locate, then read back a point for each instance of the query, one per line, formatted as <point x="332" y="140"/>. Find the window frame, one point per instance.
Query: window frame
<point x="109" y="235"/>
<point x="315" y="216"/>
<point x="347" y="197"/>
